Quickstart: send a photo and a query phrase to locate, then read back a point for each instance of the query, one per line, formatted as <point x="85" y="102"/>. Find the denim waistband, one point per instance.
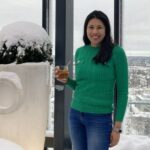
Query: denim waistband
<point x="72" y="110"/>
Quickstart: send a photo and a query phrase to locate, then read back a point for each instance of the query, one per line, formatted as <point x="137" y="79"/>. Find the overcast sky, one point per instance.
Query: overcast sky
<point x="136" y="21"/>
<point x="20" y="10"/>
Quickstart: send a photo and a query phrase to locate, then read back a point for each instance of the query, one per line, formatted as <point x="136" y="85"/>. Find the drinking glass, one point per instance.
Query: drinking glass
<point x="62" y="74"/>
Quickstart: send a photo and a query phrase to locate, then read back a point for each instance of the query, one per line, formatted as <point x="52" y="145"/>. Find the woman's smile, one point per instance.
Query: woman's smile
<point x="95" y="31"/>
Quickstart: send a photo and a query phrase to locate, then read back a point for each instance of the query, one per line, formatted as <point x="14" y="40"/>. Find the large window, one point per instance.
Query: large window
<point x="82" y="8"/>
<point x="136" y="41"/>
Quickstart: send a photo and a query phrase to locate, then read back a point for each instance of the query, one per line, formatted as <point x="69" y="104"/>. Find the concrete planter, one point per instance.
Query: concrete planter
<point x="24" y="100"/>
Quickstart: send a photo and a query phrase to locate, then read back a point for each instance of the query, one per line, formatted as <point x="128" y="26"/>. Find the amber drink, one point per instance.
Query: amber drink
<point x="63" y="72"/>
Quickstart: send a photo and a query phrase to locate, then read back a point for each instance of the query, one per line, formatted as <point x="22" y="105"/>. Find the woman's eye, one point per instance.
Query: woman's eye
<point x="99" y="27"/>
<point x="91" y="27"/>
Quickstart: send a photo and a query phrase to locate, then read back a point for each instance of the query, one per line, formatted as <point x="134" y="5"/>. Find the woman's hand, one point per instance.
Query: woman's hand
<point x="114" y="138"/>
<point x="58" y="73"/>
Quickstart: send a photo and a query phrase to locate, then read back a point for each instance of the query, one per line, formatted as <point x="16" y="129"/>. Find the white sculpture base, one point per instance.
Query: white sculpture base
<point x="26" y="124"/>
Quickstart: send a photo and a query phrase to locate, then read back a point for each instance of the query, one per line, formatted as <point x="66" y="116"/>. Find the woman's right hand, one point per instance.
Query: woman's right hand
<point x="57" y="75"/>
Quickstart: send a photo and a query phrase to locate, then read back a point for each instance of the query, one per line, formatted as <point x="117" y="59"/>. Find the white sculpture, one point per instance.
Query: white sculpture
<point x="24" y="88"/>
<point x="11" y="91"/>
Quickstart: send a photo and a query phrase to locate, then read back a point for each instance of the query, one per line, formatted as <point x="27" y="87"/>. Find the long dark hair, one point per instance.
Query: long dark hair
<point x="107" y="44"/>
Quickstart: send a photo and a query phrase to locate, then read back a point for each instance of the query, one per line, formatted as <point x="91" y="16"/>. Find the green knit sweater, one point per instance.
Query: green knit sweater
<point x="94" y="83"/>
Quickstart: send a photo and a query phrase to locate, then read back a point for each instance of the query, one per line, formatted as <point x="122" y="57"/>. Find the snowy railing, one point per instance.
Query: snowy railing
<point x="143" y="102"/>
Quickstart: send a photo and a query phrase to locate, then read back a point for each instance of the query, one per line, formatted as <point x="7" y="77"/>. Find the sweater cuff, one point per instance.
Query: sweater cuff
<point x="121" y="107"/>
<point x="71" y="83"/>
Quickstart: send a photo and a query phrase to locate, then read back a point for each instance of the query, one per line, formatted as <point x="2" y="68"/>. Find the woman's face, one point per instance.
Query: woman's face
<point x="95" y="31"/>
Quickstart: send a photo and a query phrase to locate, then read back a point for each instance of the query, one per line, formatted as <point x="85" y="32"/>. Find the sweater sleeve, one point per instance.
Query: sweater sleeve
<point x="72" y="83"/>
<point x="121" y="68"/>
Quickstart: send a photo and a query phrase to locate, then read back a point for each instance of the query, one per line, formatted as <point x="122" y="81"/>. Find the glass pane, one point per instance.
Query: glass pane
<point x="20" y="10"/>
<point x="82" y="8"/>
<point x="136" y="41"/>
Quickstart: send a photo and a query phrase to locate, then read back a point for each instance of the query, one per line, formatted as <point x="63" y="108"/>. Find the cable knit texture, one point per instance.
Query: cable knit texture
<point x="94" y="83"/>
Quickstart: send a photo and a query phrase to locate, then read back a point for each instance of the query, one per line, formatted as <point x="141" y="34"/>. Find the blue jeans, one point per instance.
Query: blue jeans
<point x="89" y="131"/>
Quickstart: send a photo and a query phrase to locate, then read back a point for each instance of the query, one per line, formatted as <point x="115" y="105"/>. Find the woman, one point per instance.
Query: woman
<point x="99" y="65"/>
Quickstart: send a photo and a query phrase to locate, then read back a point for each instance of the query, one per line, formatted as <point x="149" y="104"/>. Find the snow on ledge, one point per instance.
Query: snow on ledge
<point x="8" y="145"/>
<point x="133" y="142"/>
